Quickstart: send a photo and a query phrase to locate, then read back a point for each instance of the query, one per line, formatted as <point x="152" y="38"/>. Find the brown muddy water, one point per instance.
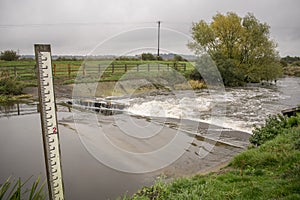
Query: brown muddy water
<point x="104" y="157"/>
<point x="85" y="175"/>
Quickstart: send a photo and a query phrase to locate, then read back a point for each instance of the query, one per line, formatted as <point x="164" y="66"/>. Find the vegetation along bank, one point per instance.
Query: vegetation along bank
<point x="269" y="169"/>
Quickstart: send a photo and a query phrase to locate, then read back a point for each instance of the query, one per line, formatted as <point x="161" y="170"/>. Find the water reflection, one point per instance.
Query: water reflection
<point x="16" y="108"/>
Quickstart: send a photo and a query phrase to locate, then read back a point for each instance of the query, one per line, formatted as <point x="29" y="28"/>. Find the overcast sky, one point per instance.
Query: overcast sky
<point x="121" y="27"/>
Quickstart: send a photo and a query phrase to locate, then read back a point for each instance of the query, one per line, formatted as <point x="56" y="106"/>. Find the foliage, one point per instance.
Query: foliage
<point x="72" y="58"/>
<point x="274" y="126"/>
<point x="271" y="171"/>
<point x="243" y="44"/>
<point x="196" y="85"/>
<point x="148" y="56"/>
<point x="157" y="191"/>
<point x="179" y="58"/>
<point x="231" y="75"/>
<point x="8" y="85"/>
<point x="126" y="58"/>
<point x="9" y="55"/>
<point x="289" y="59"/>
<point x="296" y="63"/>
<point x="292" y="71"/>
<point x="12" y="190"/>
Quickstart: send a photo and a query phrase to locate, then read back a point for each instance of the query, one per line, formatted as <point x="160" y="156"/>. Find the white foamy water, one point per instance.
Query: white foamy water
<point x="165" y="106"/>
<point x="238" y="108"/>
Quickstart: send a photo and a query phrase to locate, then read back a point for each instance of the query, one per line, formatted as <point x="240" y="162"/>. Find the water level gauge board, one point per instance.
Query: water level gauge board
<point x="49" y="121"/>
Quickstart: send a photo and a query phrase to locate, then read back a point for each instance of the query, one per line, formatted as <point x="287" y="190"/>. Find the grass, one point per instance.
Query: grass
<point x="23" y="74"/>
<point x="11" y="98"/>
<point x="14" y="190"/>
<point x="270" y="171"/>
<point x="69" y="70"/>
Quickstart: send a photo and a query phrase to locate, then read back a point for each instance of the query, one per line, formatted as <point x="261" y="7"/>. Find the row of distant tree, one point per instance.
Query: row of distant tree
<point x="292" y="61"/>
<point x="11" y="55"/>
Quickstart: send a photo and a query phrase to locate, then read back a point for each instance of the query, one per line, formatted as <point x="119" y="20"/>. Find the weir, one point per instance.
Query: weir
<point x="291" y="111"/>
<point x="103" y="106"/>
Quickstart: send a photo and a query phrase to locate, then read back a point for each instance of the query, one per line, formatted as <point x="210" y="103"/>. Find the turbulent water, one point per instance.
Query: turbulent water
<point x="242" y="108"/>
<point x="236" y="108"/>
<point x="89" y="166"/>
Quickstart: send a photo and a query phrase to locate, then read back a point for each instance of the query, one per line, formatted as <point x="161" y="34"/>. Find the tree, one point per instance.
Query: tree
<point x="178" y="58"/>
<point x="148" y="56"/>
<point x="241" y="45"/>
<point x="9" y="55"/>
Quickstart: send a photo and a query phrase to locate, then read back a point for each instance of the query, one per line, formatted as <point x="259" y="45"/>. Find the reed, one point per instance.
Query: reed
<point x="14" y="189"/>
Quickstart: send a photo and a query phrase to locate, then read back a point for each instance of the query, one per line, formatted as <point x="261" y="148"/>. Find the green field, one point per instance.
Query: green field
<point x="66" y="71"/>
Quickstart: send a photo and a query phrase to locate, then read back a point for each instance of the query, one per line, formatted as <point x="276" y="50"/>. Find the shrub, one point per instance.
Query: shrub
<point x="274" y="126"/>
<point x="9" y="55"/>
<point x="8" y="85"/>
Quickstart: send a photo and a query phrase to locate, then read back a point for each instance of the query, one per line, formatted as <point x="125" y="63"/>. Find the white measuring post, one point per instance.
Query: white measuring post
<point x="49" y="122"/>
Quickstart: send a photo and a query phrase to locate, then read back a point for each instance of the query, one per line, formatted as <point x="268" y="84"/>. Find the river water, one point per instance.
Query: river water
<point x="244" y="107"/>
<point x="95" y="169"/>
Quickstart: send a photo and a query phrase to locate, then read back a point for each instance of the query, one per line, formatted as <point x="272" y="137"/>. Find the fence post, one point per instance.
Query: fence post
<point x="99" y="69"/>
<point x="54" y="69"/>
<point x="69" y="70"/>
<point x="15" y="71"/>
<point x="168" y="66"/>
<point x="112" y="68"/>
<point x="175" y="66"/>
<point x="137" y="67"/>
<point x="148" y="67"/>
<point x="125" y="67"/>
<point x="83" y="69"/>
<point x="35" y="70"/>
<point x="184" y="66"/>
<point x="18" y="108"/>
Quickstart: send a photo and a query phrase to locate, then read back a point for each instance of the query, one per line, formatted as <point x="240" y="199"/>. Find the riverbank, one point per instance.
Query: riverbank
<point x="271" y="171"/>
<point x="117" y="88"/>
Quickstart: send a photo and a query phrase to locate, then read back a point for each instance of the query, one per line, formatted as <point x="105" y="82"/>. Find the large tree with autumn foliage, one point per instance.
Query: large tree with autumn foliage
<point x="241" y="47"/>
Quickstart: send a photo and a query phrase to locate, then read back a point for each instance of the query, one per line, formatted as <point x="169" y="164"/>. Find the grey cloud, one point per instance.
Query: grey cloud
<point x="77" y="26"/>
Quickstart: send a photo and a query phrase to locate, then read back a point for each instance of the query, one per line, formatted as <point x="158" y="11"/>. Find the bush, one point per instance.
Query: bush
<point x="9" y="55"/>
<point x="274" y="126"/>
<point x="8" y="85"/>
<point x="296" y="63"/>
<point x="148" y="56"/>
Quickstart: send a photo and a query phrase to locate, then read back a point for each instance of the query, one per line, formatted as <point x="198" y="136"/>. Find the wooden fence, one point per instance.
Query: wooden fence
<point x="18" y="109"/>
<point x="25" y="72"/>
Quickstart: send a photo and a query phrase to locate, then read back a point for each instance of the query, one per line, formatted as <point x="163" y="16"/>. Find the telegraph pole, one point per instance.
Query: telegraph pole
<point x="158" y="39"/>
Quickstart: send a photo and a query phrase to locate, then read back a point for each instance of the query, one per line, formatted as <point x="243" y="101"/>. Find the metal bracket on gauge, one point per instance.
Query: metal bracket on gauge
<point x="49" y="122"/>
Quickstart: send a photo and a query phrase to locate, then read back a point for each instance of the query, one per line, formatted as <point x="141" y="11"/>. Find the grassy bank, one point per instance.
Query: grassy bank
<point x="269" y="171"/>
